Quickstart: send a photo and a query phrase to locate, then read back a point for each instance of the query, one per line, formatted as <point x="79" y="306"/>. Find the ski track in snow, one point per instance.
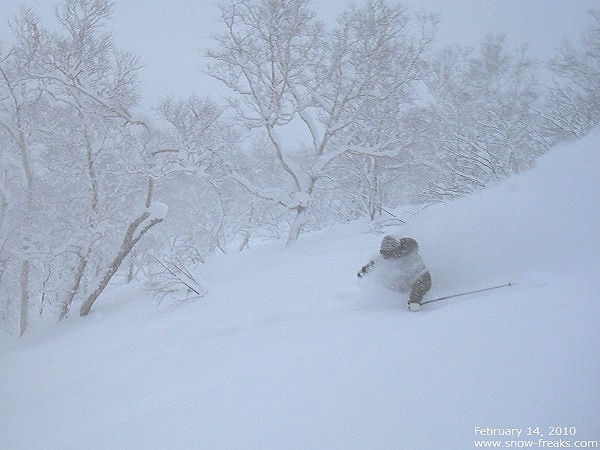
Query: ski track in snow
<point x="289" y="351"/>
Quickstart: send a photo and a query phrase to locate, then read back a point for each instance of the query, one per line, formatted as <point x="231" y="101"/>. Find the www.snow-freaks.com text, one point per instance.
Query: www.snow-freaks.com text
<point x="530" y="437"/>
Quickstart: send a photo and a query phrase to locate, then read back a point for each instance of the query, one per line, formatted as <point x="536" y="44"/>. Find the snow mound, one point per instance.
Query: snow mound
<point x="289" y="350"/>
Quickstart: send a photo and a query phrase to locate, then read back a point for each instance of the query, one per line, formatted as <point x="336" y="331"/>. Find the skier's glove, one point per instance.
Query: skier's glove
<point x="365" y="269"/>
<point x="414" y="306"/>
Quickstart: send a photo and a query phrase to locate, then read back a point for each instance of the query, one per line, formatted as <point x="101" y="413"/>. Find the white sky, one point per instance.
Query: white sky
<point x="170" y="36"/>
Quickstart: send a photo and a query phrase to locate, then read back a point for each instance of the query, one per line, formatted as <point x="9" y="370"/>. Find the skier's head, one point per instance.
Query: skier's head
<point x="392" y="247"/>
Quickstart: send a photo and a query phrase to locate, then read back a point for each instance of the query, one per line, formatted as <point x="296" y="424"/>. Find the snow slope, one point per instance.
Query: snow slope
<point x="290" y="351"/>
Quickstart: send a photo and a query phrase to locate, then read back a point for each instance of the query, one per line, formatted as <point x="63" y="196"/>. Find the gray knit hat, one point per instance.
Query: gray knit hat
<point x="390" y="246"/>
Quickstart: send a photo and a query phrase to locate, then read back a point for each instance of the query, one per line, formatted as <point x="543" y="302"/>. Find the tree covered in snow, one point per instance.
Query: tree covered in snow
<point x="482" y="123"/>
<point x="208" y="210"/>
<point x="293" y="77"/>
<point x="73" y="158"/>
<point x="573" y="106"/>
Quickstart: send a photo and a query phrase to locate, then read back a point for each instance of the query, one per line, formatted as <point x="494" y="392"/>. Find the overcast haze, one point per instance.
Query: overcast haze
<point x="170" y="36"/>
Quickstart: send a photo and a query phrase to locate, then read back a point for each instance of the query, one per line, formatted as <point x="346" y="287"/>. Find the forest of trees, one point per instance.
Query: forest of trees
<point x="324" y="124"/>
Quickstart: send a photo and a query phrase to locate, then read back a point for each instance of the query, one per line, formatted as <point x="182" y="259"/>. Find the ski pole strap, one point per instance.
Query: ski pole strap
<point x="466" y="293"/>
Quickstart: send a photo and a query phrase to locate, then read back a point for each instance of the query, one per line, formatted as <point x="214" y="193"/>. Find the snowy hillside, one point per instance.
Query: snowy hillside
<point x="290" y="351"/>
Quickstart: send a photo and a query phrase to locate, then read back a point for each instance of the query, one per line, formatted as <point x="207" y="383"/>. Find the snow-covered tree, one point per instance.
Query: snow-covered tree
<point x="574" y="98"/>
<point x="483" y="122"/>
<point x="19" y="219"/>
<point x="75" y="172"/>
<point x="378" y="171"/>
<point x="208" y="208"/>
<point x="305" y="87"/>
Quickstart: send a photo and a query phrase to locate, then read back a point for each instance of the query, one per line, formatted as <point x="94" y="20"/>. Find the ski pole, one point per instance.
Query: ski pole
<point x="466" y="293"/>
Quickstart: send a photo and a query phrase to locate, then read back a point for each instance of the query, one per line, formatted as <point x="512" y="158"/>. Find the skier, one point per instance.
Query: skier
<point x="401" y="268"/>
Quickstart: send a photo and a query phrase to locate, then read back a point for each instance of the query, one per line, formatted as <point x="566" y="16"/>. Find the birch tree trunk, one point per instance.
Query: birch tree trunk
<point x="136" y="229"/>
<point x="82" y="261"/>
<point x="24" y="313"/>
